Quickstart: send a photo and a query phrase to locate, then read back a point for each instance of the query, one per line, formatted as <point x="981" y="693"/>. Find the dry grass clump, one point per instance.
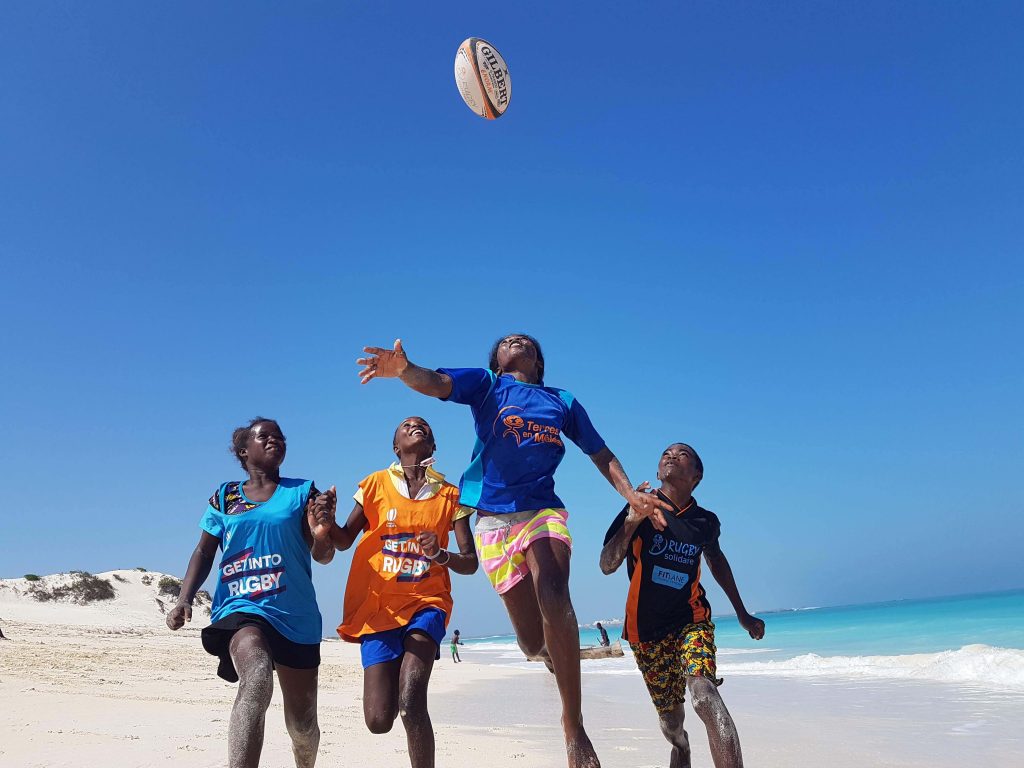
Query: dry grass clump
<point x="84" y="588"/>
<point x="168" y="585"/>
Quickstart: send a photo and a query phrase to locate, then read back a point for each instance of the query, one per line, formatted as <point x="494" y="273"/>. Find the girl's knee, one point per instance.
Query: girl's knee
<point x="412" y="703"/>
<point x="553" y="599"/>
<point x="703" y="695"/>
<point x="671" y="724"/>
<point x="256" y="681"/>
<point x="531" y="646"/>
<point x="380" y="722"/>
<point x="303" y="728"/>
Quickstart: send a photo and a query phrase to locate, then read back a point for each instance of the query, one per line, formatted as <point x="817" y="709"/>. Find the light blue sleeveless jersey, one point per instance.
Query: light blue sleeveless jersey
<point x="266" y="568"/>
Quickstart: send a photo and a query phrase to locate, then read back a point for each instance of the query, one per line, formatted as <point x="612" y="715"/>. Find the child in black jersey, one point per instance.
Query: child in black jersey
<point x="668" y="617"/>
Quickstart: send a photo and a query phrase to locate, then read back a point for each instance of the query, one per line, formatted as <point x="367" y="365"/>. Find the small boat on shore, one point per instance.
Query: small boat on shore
<point x="593" y="652"/>
<point x="601" y="651"/>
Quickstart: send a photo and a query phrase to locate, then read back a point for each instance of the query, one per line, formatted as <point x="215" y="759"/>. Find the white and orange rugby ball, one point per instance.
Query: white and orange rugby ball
<point x="482" y="77"/>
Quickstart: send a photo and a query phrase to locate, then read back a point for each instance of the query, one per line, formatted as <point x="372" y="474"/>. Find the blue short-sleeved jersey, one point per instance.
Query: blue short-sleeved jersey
<point x="519" y="430"/>
<point x="266" y="567"/>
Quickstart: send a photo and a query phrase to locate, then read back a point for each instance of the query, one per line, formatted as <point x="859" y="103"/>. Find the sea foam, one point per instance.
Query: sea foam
<point x="979" y="665"/>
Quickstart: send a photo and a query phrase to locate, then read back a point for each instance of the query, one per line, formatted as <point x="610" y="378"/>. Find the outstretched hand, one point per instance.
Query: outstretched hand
<point x="320" y="514"/>
<point x="643" y="502"/>
<point x="382" y="363"/>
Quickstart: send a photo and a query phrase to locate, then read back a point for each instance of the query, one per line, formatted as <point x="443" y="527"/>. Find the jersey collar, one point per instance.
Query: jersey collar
<point x="433" y="476"/>
<point x="675" y="508"/>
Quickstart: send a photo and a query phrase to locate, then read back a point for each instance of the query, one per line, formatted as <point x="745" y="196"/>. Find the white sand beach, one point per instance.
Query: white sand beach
<point x="108" y="684"/>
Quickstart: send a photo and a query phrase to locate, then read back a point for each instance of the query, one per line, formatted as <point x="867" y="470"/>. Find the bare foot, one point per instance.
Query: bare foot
<point x="581" y="752"/>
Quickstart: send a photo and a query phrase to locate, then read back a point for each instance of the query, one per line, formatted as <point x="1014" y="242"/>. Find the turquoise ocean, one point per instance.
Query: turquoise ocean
<point x="976" y="640"/>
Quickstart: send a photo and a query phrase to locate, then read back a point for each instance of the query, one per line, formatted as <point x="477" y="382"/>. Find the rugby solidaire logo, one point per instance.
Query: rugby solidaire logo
<point x="392" y="515"/>
<point x="658" y="545"/>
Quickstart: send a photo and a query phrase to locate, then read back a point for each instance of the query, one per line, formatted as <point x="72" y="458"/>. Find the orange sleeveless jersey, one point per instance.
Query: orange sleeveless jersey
<point x="390" y="579"/>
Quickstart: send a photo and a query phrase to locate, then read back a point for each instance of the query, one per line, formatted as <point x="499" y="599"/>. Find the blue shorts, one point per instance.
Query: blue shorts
<point x="390" y="644"/>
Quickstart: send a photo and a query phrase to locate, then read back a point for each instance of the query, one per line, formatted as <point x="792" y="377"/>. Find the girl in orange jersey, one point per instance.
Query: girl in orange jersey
<point x="398" y="598"/>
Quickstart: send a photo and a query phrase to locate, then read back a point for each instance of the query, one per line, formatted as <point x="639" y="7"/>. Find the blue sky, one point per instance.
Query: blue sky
<point x="788" y="234"/>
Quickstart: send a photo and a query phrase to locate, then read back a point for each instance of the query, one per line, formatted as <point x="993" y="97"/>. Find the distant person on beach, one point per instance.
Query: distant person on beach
<point x="521" y="534"/>
<point x="668" y="618"/>
<point x="398" y="599"/>
<point x="264" y="616"/>
<point x="456" y="642"/>
<point x="605" y="642"/>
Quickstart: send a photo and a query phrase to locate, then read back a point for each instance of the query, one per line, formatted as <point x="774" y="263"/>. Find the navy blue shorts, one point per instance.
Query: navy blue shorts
<point x="390" y="644"/>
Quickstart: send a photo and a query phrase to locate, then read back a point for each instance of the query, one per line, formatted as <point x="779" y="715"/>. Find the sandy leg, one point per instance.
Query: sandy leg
<point x="545" y="624"/>
<point x="417" y="663"/>
<point x="722" y="735"/>
<point x="251" y="656"/>
<point x="298" y="689"/>
<point x="672" y="726"/>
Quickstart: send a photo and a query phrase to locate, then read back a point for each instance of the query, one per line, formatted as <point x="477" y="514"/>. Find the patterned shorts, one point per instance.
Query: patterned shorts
<point x="502" y="541"/>
<point x="666" y="663"/>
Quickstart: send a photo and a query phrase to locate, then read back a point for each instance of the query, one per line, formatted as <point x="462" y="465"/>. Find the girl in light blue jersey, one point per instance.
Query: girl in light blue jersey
<point x="265" y="615"/>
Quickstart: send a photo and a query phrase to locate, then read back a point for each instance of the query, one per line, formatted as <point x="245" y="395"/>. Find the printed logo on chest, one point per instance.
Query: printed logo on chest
<point x="511" y="425"/>
<point x="402" y="557"/>
<point x="671" y="549"/>
<point x="246" y="575"/>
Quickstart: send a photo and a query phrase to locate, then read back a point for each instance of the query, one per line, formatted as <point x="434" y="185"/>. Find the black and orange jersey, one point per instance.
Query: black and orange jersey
<point x="664" y="571"/>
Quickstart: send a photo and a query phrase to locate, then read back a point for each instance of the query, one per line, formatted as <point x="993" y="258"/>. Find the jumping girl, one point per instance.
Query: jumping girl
<point x="521" y="534"/>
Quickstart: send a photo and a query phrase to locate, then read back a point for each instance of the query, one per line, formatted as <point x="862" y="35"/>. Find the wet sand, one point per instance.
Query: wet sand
<point x="142" y="696"/>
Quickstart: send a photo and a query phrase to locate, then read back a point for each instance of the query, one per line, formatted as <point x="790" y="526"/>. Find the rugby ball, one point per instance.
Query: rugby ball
<point x="482" y="77"/>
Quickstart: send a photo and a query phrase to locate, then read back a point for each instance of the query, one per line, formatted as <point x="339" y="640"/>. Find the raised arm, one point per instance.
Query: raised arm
<point x="644" y="504"/>
<point x="722" y="572"/>
<point x="394" y="364"/>
<point x="614" y="552"/>
<point x="199" y="566"/>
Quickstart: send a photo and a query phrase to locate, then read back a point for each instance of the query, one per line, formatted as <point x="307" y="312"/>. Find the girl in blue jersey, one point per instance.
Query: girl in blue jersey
<point x="521" y="534"/>
<point x="265" y="615"/>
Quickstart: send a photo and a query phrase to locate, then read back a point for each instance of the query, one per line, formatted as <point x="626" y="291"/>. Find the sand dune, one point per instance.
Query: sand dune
<point x="138" y="600"/>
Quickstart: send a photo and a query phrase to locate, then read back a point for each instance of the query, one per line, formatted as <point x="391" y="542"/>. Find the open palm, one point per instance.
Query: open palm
<point x="383" y="363"/>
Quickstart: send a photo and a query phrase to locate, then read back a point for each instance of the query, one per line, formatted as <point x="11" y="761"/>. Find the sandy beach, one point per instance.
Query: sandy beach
<point x="107" y="684"/>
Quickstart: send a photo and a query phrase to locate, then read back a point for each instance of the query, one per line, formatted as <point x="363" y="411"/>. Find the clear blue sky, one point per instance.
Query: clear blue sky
<point x="787" y="233"/>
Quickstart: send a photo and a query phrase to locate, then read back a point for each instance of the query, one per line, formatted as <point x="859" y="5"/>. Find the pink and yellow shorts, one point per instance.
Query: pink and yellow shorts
<point x="502" y="541"/>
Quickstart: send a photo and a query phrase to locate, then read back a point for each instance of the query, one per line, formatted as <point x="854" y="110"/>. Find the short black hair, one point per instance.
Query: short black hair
<point x="241" y="436"/>
<point x="492" y="362"/>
